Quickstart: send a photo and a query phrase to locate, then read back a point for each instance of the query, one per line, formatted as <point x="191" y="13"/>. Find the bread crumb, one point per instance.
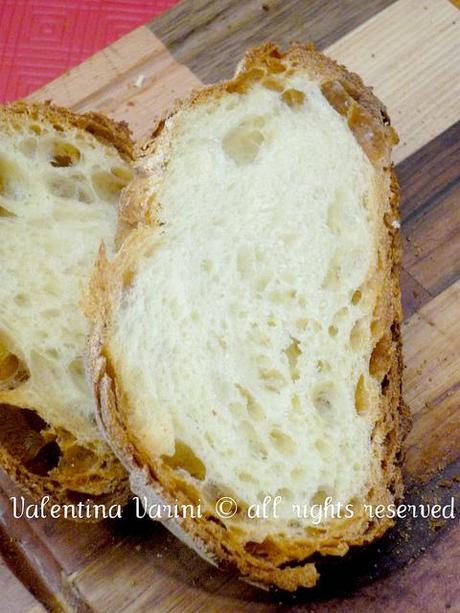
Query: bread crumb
<point x="396" y="224"/>
<point x="139" y="80"/>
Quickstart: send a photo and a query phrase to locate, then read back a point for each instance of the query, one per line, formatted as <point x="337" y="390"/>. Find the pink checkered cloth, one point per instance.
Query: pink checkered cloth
<point x="41" y="39"/>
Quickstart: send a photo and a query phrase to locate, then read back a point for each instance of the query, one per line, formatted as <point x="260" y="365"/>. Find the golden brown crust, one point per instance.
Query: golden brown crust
<point x="278" y="560"/>
<point x="41" y="458"/>
<point x="108" y="132"/>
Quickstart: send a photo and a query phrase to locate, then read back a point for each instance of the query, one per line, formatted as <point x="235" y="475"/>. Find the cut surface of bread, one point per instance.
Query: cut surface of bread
<point x="60" y="177"/>
<point x="245" y="339"/>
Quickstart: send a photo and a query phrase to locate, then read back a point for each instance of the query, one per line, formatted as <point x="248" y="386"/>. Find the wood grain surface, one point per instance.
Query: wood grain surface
<point x="14" y="596"/>
<point x="409" y="51"/>
<point x="210" y="37"/>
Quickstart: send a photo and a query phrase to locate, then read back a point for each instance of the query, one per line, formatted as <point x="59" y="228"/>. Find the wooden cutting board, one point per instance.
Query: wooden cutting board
<point x="409" y="50"/>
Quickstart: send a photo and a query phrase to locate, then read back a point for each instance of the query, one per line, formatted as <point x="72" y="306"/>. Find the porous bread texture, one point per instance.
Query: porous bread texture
<point x="60" y="179"/>
<point x="248" y="310"/>
<point x="246" y="337"/>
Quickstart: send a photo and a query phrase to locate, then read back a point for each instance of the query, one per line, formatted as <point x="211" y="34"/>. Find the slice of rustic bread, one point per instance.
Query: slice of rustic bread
<point x="60" y="178"/>
<point x="246" y="339"/>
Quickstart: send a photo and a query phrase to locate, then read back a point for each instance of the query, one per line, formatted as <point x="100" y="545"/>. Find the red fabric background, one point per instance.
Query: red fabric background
<point x="41" y="39"/>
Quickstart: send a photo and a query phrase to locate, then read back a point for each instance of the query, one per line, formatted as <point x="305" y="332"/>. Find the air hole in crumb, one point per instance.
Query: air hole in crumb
<point x="275" y="65"/>
<point x="341" y="313"/>
<point x="356" y="297"/>
<point x="323" y="398"/>
<point x="51" y="288"/>
<point x="124" y="173"/>
<point x="51" y="313"/>
<point x="276" y="297"/>
<point x="107" y="185"/>
<point x="302" y="301"/>
<point x="209" y="439"/>
<point x="262" y="282"/>
<point x="333" y="276"/>
<point x="22" y="300"/>
<point x="323" y="366"/>
<point x="13" y="371"/>
<point x="296" y="405"/>
<point x="242" y="143"/>
<point x="28" y="147"/>
<point x="46" y="459"/>
<point x="255" y="444"/>
<point x="128" y="278"/>
<point x="302" y="323"/>
<point x="64" y="154"/>
<point x="272" y="379"/>
<point x="285" y="494"/>
<point x="185" y="459"/>
<point x="375" y="327"/>
<point x="254" y="409"/>
<point x="282" y="441"/>
<point x="206" y="265"/>
<point x="337" y="96"/>
<point x="332" y="330"/>
<point x="237" y="409"/>
<point x="243" y="81"/>
<point x="335" y="213"/>
<point x="62" y="187"/>
<point x="293" y="352"/>
<point x="321" y="446"/>
<point x="11" y="179"/>
<point x="4" y="212"/>
<point x="360" y="396"/>
<point x="357" y="335"/>
<point x="385" y="384"/>
<point x="294" y="98"/>
<point x="297" y="474"/>
<point x="70" y="186"/>
<point x="77" y="373"/>
<point x="319" y="498"/>
<point x="247" y="477"/>
<point x="78" y="460"/>
<point x="21" y="432"/>
<point x="380" y="358"/>
<point x="272" y="84"/>
<point x="85" y="195"/>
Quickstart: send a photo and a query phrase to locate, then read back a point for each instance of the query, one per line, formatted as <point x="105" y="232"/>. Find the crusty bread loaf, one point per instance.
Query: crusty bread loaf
<point x="245" y="339"/>
<point x="60" y="177"/>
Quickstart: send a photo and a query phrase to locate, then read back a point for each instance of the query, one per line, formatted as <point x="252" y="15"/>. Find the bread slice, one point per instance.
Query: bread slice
<point x="245" y="339"/>
<point x="60" y="177"/>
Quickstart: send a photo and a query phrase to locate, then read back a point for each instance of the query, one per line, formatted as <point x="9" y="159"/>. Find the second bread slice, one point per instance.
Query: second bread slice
<point x="60" y="178"/>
